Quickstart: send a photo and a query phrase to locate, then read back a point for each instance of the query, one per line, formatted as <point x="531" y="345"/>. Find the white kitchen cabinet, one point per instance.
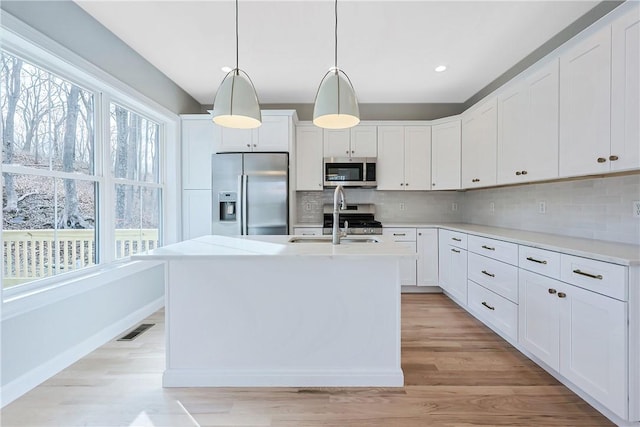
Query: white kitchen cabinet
<point x="528" y="114"/>
<point x="452" y="265"/>
<point x="196" y="213"/>
<point x="479" y="145"/>
<point x="625" y="92"/>
<point x="309" y="158"/>
<point x="405" y="237"/>
<point x="272" y="135"/>
<point x="446" y="156"/>
<point x="359" y="141"/>
<point x="585" y="106"/>
<point x="427" y="263"/>
<point x="199" y="137"/>
<point x="404" y="158"/>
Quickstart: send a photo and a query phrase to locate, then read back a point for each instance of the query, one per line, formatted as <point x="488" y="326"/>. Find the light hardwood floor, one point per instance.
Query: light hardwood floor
<point x="457" y="373"/>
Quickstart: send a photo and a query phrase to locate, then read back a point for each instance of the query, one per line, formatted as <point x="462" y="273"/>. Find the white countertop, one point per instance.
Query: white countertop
<point x="224" y="246"/>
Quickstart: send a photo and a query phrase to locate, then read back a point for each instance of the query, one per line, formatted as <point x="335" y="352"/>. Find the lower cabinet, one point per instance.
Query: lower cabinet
<point x="196" y="213"/>
<point x="494" y="310"/>
<point x="405" y="237"/>
<point x="452" y="265"/>
<point x="578" y="333"/>
<point x="307" y="231"/>
<point x="427" y="263"/>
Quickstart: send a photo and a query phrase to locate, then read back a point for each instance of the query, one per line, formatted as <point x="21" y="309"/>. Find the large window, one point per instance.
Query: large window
<point x="81" y="178"/>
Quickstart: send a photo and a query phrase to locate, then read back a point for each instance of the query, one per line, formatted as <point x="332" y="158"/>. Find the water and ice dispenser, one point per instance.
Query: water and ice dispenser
<point x="227" y="203"/>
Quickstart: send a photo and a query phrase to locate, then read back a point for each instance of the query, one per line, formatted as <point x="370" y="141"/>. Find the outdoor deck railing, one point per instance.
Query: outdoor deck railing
<point x="33" y="254"/>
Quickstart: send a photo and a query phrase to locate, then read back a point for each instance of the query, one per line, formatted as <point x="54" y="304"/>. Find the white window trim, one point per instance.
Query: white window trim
<point x="26" y="42"/>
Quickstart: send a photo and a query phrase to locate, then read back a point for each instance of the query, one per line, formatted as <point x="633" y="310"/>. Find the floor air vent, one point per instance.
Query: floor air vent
<point x="136" y="332"/>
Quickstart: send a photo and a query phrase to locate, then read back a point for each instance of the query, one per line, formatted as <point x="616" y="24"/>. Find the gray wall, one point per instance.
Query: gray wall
<point x="68" y="24"/>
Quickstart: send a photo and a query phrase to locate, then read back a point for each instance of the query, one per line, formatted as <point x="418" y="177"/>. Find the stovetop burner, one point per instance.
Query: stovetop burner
<point x="360" y="218"/>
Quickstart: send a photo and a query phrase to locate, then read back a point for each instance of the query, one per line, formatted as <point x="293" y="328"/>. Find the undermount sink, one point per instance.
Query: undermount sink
<point x="327" y="239"/>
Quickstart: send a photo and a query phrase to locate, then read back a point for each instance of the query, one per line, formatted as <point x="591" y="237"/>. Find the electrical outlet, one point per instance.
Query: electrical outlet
<point x="492" y="207"/>
<point x="307" y="207"/>
<point x="401" y="206"/>
<point x="454" y="206"/>
<point x="636" y="209"/>
<point x="542" y="207"/>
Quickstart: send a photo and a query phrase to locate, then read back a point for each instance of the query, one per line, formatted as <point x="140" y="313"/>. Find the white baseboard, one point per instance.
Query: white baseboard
<point x="281" y="378"/>
<point x="421" y="289"/>
<point x="35" y="377"/>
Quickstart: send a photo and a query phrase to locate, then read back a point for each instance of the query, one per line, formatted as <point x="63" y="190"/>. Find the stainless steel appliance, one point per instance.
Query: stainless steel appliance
<point x="350" y="171"/>
<point x="250" y="193"/>
<point x="360" y="218"/>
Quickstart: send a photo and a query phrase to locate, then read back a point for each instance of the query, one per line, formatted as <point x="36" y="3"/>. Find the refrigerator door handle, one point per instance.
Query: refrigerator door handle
<point x="245" y="222"/>
<point x="240" y="207"/>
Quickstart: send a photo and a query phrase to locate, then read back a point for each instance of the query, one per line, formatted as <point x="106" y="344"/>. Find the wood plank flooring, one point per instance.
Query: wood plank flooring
<point x="457" y="373"/>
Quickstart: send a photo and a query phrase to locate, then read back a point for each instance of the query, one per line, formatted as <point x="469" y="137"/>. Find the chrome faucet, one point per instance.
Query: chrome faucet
<point x="336" y="214"/>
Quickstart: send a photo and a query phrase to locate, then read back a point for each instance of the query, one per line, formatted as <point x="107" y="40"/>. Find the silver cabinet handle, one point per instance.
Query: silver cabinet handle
<point x="489" y="248"/>
<point x="488" y="306"/>
<point x="488" y="274"/>
<point x="456" y="239"/>
<point x="536" y="260"/>
<point x="593" y="276"/>
<point x="455" y="250"/>
<point x="399" y="234"/>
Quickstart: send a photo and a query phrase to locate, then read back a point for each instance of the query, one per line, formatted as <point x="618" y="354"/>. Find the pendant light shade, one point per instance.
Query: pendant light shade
<point x="336" y="105"/>
<point x="236" y="104"/>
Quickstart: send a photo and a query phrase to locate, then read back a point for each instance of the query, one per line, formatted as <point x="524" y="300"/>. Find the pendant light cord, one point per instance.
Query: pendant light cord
<point x="335" y="59"/>
<point x="237" y="66"/>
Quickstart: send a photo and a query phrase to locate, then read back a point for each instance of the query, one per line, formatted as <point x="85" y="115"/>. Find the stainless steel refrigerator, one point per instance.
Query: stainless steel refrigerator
<point x="250" y="193"/>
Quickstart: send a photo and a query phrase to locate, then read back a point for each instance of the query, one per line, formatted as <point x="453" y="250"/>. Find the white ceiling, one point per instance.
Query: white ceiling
<point x="389" y="49"/>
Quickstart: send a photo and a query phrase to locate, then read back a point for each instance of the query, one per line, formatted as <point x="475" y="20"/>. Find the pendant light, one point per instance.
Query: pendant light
<point x="236" y="104"/>
<point x="336" y="105"/>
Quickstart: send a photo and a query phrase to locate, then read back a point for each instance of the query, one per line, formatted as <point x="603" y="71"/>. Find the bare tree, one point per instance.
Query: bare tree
<point x="12" y="88"/>
<point x="87" y="115"/>
<point x="121" y="158"/>
<point x="33" y="108"/>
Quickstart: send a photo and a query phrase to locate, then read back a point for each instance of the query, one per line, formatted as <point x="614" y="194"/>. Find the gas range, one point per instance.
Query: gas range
<point x="360" y="218"/>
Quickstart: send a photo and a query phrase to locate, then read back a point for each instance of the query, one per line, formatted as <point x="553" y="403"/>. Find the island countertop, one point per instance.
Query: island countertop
<point x="273" y="246"/>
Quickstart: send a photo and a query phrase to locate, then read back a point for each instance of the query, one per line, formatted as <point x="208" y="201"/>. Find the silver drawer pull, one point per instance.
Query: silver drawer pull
<point x="456" y="239"/>
<point x="489" y="248"/>
<point x="488" y="274"/>
<point x="455" y="250"/>
<point x="399" y="234"/>
<point x="488" y="306"/>
<point x="593" y="276"/>
<point x="536" y="260"/>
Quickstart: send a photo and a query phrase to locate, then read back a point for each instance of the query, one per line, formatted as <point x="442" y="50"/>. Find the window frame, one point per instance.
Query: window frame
<point x="21" y="40"/>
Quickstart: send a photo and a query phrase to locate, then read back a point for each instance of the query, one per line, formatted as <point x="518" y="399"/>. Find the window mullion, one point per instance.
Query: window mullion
<point x="107" y="225"/>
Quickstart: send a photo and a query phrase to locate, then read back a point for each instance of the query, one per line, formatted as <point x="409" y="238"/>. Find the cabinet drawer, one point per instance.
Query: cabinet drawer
<point x="453" y="238"/>
<point x="540" y="261"/>
<point x="308" y="231"/>
<point x="497" y="249"/>
<point x="602" y="277"/>
<point x="494" y="310"/>
<point x="494" y="275"/>
<point x="400" y="234"/>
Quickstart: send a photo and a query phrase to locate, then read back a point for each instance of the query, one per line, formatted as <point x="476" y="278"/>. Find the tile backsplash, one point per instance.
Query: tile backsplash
<point x="595" y="208"/>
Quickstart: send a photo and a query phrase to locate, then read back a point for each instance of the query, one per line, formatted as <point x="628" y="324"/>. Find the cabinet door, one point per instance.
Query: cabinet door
<point x="585" y="92"/>
<point x="236" y="140"/>
<point x="470" y="150"/>
<point x="417" y="158"/>
<point x="625" y="92"/>
<point x="512" y="134"/>
<point x="408" y="266"/>
<point x="308" y="158"/>
<point x="445" y="156"/>
<point x="452" y="264"/>
<point x="487" y="143"/>
<point x="364" y="141"/>
<point x="199" y="137"/>
<point x="593" y="350"/>
<point x="390" y="165"/>
<point x="538" y="317"/>
<point x="337" y="143"/>
<point x="540" y="158"/>
<point x="427" y="267"/>
<point x="273" y="134"/>
<point x="196" y="213"/>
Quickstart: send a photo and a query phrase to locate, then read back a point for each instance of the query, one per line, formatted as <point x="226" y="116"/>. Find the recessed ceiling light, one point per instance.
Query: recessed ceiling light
<point x="441" y="68"/>
<point x="226" y="69"/>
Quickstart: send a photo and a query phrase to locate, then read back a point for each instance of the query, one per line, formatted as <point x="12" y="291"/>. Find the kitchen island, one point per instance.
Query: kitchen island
<point x="264" y="311"/>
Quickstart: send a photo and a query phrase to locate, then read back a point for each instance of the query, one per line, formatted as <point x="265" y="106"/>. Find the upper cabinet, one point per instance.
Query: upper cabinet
<point x="625" y="91"/>
<point x="528" y="128"/>
<point x="359" y="141"/>
<point x="273" y="135"/>
<point x="404" y="158"/>
<point x="445" y="156"/>
<point x="585" y="106"/>
<point x="308" y="158"/>
<point x="199" y="138"/>
<point x="479" y="145"/>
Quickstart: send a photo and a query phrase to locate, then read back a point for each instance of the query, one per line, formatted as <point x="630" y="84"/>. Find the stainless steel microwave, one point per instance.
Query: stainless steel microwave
<point x="350" y="171"/>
